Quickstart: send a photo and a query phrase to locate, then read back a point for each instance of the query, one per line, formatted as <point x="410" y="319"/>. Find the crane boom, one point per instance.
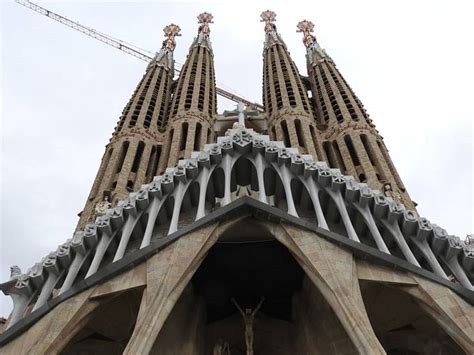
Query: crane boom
<point x="137" y="52"/>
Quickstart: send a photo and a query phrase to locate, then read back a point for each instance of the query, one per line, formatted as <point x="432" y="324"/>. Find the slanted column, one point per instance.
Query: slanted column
<point x="333" y="271"/>
<point x="365" y="162"/>
<point x="345" y="155"/>
<point x="167" y="274"/>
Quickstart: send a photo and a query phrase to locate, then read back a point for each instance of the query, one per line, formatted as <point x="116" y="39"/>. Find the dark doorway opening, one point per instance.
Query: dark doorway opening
<point x="247" y="272"/>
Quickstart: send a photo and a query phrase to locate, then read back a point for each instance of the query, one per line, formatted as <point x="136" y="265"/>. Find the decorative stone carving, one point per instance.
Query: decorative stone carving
<point x="204" y="19"/>
<point x="378" y="208"/>
<point x="15" y="272"/>
<point x="165" y="56"/>
<point x="315" y="53"/>
<point x="102" y="207"/>
<point x="271" y="35"/>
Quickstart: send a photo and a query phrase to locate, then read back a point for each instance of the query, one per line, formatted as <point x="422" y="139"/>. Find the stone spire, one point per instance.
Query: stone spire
<point x="194" y="105"/>
<point x="133" y="153"/>
<point x="202" y="39"/>
<point x="165" y="56"/>
<point x="350" y="140"/>
<point x="272" y="37"/>
<point x="290" y="116"/>
<point x="315" y="53"/>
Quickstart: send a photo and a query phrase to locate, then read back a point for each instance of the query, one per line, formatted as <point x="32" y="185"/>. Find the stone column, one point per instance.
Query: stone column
<point x="168" y="273"/>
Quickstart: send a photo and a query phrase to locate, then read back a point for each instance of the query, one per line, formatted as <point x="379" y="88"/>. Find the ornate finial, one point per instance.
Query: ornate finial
<point x="102" y="207"/>
<point x="271" y="35"/>
<point x="204" y="19"/>
<point x="315" y="54"/>
<point x="171" y="31"/>
<point x="306" y="27"/>
<point x="269" y="17"/>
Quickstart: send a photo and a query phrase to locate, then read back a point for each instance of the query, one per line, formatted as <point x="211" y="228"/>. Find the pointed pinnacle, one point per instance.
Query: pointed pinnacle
<point x="306" y="27"/>
<point x="205" y="18"/>
<point x="171" y="31"/>
<point x="268" y="16"/>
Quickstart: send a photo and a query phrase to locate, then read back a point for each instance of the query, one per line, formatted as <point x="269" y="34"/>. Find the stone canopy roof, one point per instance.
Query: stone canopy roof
<point x="242" y="171"/>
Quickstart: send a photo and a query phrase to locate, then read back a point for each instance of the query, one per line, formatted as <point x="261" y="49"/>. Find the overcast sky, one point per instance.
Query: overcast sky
<point x="410" y="62"/>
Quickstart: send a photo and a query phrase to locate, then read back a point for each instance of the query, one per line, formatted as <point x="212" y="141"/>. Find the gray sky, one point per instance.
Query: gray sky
<point x="410" y="62"/>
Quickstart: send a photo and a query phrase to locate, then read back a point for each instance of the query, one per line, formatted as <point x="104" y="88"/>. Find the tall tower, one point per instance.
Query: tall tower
<point x="349" y="138"/>
<point x="194" y="103"/>
<point x="133" y="153"/>
<point x="290" y="116"/>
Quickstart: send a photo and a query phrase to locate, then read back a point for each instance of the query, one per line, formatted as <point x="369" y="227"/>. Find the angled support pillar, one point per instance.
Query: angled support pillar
<point x="333" y="271"/>
<point x="168" y="273"/>
<point x="454" y="315"/>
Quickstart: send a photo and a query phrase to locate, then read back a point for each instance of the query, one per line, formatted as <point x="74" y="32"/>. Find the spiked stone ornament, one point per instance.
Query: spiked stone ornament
<point x="171" y="31"/>
<point x="205" y="19"/>
<point x="315" y="54"/>
<point x="165" y="56"/>
<point x="269" y="17"/>
<point x="271" y="35"/>
<point x="306" y="27"/>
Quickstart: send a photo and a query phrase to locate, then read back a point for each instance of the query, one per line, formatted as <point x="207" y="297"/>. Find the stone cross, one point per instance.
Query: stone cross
<point x="241" y="113"/>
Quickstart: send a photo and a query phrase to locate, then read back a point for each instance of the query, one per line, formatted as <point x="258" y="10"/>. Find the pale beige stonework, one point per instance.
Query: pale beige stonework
<point x="333" y="271"/>
<point x="331" y="297"/>
<point x="342" y="116"/>
<point x="167" y="276"/>
<point x="142" y="123"/>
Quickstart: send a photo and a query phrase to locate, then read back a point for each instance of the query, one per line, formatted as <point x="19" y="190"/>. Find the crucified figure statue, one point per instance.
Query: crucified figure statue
<point x="248" y="317"/>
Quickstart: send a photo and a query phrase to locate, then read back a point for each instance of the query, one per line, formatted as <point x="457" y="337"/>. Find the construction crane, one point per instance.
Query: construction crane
<point x="137" y="52"/>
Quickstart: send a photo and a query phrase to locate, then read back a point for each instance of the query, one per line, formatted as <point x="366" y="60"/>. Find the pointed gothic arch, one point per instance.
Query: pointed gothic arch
<point x="108" y="328"/>
<point x="402" y="325"/>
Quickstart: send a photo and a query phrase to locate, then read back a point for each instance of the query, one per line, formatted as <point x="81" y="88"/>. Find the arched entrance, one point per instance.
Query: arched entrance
<point x="401" y="325"/>
<point x="109" y="327"/>
<point x="248" y="268"/>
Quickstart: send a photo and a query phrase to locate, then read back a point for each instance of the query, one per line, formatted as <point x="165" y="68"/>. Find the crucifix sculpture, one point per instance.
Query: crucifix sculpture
<point x="248" y="316"/>
<point x="242" y="113"/>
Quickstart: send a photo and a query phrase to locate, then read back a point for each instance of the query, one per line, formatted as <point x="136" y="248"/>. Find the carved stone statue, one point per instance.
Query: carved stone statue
<point x="469" y="239"/>
<point x="388" y="191"/>
<point x="15" y="272"/>
<point x="221" y="348"/>
<point x="248" y="316"/>
<point x="241" y="113"/>
<point x="102" y="207"/>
